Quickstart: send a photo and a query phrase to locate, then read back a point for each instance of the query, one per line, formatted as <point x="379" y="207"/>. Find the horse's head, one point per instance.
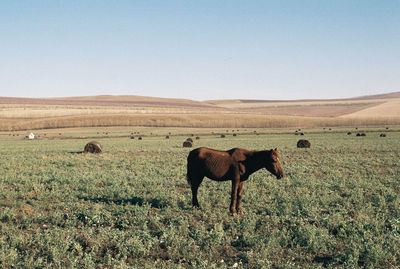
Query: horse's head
<point x="273" y="163"/>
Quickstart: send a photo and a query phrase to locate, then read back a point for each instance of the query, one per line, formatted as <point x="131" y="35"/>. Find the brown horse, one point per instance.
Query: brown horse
<point x="235" y="164"/>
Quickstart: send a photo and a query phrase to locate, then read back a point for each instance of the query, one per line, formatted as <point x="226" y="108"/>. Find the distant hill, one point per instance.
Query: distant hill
<point x="107" y="100"/>
<point x="366" y="97"/>
<point x="111" y="110"/>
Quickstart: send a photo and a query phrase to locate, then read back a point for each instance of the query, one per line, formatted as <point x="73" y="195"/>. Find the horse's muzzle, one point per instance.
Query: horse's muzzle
<point x="279" y="176"/>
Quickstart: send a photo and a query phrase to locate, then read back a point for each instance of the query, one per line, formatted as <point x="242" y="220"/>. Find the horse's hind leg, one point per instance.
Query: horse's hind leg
<point x="194" y="178"/>
<point x="196" y="181"/>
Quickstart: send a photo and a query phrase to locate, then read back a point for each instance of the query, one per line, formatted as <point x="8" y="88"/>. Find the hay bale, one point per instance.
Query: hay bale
<point x="363" y="134"/>
<point x="167" y="137"/>
<point x="358" y="134"/>
<point x="197" y="137"/>
<point x="187" y="144"/>
<point x="222" y="136"/>
<point x="348" y="133"/>
<point x="190" y="140"/>
<point x="93" y="147"/>
<point x="302" y="143"/>
<point x="139" y="138"/>
<point x="234" y="135"/>
<point x="301" y="133"/>
<point x="382" y="135"/>
<point x="132" y="137"/>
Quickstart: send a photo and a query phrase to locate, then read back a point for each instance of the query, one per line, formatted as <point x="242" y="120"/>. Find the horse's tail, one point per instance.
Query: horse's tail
<point x="189" y="181"/>
<point x="188" y="178"/>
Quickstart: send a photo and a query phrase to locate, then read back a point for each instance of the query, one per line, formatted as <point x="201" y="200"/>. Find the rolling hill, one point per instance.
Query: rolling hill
<point x="108" y="110"/>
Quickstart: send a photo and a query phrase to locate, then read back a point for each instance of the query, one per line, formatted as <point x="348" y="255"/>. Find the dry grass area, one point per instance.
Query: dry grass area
<point x="39" y="113"/>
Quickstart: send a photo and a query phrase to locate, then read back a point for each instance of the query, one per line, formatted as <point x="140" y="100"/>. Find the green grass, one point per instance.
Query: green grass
<point x="339" y="205"/>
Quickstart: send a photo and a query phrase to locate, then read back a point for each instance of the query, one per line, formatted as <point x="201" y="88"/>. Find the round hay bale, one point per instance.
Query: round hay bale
<point x="93" y="147"/>
<point x="363" y="134"/>
<point x="301" y="133"/>
<point x="302" y="143"/>
<point x="387" y="128"/>
<point x="187" y="144"/>
<point x="234" y="134"/>
<point x="382" y="135"/>
<point x="197" y="137"/>
<point x="358" y="134"/>
<point x="167" y="137"/>
<point x="132" y="137"/>
<point x="348" y="133"/>
<point x="190" y="140"/>
<point x="222" y="136"/>
<point x="139" y="138"/>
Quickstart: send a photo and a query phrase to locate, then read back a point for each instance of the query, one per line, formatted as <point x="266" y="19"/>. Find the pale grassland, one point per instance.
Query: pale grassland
<point x="38" y="111"/>
<point x="189" y="120"/>
<point x="30" y="114"/>
<point x="257" y="104"/>
<point x="386" y="109"/>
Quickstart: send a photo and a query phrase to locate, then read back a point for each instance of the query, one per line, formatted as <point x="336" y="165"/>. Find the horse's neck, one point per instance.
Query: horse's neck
<point x="255" y="161"/>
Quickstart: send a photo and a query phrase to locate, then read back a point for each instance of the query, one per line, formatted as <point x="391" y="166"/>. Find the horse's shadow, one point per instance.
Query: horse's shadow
<point x="75" y="152"/>
<point x="154" y="203"/>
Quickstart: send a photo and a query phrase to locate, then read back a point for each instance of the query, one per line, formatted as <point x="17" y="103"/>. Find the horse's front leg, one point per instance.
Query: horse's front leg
<point x="239" y="198"/>
<point x="235" y="187"/>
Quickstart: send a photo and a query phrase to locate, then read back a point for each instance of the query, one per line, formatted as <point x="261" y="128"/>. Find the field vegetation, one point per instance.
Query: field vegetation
<point x="338" y="206"/>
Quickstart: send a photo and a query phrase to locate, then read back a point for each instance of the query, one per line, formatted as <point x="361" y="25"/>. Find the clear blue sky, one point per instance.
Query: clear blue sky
<point x="203" y="49"/>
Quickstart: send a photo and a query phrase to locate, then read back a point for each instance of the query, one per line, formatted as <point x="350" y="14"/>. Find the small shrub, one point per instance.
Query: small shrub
<point x="93" y="147"/>
<point x="302" y="143"/>
<point x="187" y="144"/>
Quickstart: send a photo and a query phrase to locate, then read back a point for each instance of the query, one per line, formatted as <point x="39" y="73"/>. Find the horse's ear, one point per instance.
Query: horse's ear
<point x="276" y="149"/>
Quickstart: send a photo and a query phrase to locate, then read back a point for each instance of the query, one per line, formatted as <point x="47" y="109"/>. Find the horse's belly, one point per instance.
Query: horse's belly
<point x="220" y="175"/>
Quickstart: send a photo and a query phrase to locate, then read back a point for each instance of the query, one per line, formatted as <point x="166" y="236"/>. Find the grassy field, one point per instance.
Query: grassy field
<point x="339" y="204"/>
